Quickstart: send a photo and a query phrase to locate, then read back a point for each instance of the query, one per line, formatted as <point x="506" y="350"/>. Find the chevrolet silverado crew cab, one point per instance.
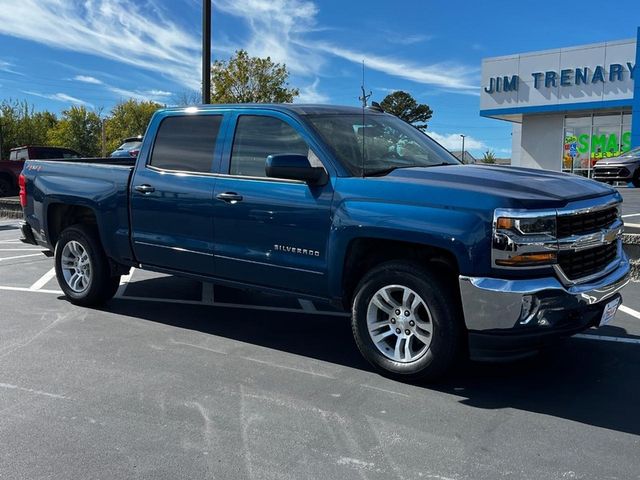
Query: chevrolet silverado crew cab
<point x="433" y="258"/>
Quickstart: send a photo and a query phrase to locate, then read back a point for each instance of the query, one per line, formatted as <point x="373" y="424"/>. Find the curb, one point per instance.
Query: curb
<point x="10" y="207"/>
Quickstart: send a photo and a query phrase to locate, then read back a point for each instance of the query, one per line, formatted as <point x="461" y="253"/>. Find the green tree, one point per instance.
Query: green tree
<point x="245" y="79"/>
<point x="22" y="125"/>
<point x="404" y="106"/>
<point x="128" y="119"/>
<point x="79" y="129"/>
<point x="489" y="157"/>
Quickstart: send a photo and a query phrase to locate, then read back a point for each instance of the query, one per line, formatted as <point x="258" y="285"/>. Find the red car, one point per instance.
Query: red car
<point x="10" y="169"/>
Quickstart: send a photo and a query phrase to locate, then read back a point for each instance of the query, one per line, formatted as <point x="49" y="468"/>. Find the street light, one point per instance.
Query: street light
<point x="206" y="51"/>
<point x="463" y="147"/>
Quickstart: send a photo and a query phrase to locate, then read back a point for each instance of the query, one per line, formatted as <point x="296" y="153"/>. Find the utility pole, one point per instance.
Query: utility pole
<point x="463" y="155"/>
<point x="206" y="51"/>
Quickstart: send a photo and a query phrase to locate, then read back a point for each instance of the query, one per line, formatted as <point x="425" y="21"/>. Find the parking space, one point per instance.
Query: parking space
<point x="176" y="379"/>
<point x="631" y="209"/>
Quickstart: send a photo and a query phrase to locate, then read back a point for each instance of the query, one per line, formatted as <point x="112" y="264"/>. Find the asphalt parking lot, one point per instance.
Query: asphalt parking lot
<point x="631" y="209"/>
<point x="174" y="379"/>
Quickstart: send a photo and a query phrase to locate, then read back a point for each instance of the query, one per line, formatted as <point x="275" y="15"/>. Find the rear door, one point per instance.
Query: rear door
<point x="271" y="231"/>
<point x="172" y="194"/>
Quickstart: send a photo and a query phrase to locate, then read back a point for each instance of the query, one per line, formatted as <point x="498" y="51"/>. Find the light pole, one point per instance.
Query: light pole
<point x="206" y="51"/>
<point x="463" y="148"/>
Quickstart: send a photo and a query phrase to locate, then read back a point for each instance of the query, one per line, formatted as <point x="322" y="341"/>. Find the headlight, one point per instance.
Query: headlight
<point x="524" y="239"/>
<point x="528" y="226"/>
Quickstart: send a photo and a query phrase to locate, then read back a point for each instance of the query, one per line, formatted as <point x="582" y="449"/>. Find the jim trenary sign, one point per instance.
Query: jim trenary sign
<point x="617" y="72"/>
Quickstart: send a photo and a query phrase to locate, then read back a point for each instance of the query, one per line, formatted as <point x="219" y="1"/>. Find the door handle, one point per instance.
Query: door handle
<point x="229" y="197"/>
<point x="144" y="188"/>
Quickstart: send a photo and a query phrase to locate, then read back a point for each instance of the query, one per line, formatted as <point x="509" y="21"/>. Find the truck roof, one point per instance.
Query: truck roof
<point x="297" y="108"/>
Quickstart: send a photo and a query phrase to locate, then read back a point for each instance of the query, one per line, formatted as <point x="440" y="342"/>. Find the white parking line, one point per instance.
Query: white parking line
<point x="307" y="305"/>
<point x="631" y="215"/>
<point x="630" y="311"/>
<point x="42" y="281"/>
<point x="22" y="256"/>
<point x="33" y="249"/>
<point x="207" y="294"/>
<point x="124" y="281"/>
<point x="25" y="289"/>
<point x="634" y="225"/>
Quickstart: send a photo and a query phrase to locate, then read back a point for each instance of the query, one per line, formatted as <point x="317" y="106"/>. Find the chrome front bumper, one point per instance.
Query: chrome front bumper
<point x="501" y="305"/>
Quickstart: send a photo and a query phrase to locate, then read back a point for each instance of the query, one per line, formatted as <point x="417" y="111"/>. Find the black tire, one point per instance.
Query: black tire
<point x="443" y="306"/>
<point x="102" y="286"/>
<point x="636" y="178"/>
<point x="6" y="188"/>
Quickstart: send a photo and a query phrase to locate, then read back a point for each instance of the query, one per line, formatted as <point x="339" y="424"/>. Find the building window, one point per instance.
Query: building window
<point x="589" y="138"/>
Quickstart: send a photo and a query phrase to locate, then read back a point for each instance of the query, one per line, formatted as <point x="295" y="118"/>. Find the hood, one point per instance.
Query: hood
<point x="624" y="159"/>
<point x="524" y="187"/>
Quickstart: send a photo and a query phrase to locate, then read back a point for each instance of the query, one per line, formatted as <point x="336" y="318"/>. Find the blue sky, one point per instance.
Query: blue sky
<point x="55" y="53"/>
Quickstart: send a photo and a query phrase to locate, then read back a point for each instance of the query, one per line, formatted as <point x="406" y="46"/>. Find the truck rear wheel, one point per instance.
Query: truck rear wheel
<point x="406" y="322"/>
<point x="82" y="267"/>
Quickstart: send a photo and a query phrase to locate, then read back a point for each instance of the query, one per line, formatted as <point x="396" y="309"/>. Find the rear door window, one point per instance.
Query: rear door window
<point x="186" y="143"/>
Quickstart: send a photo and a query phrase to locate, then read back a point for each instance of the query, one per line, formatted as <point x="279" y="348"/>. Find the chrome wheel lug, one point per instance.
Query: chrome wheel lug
<point x="412" y="323"/>
<point x="398" y="331"/>
<point x="407" y="332"/>
<point x="393" y="320"/>
<point x="398" y="312"/>
<point x="407" y="313"/>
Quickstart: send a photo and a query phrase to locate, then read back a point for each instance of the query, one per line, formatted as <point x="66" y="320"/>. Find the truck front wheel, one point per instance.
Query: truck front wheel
<point x="82" y="267"/>
<point x="406" y="322"/>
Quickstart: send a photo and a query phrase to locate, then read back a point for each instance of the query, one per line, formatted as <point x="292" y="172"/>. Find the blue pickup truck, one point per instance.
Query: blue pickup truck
<point x="434" y="259"/>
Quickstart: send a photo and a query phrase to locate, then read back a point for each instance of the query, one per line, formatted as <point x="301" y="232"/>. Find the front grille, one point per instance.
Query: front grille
<point x="584" y="223"/>
<point x="583" y="263"/>
<point x="606" y="172"/>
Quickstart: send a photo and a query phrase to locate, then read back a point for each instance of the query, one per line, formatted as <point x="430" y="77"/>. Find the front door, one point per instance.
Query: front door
<point x="268" y="231"/>
<point x="172" y="196"/>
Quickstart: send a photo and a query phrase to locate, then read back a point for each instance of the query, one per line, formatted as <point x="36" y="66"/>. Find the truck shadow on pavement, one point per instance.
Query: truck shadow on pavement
<point x="591" y="382"/>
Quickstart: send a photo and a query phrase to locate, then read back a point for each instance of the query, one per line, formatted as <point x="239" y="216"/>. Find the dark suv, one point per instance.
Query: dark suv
<point x="625" y="168"/>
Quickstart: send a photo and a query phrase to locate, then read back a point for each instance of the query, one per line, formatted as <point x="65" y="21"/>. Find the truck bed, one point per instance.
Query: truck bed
<point x="99" y="184"/>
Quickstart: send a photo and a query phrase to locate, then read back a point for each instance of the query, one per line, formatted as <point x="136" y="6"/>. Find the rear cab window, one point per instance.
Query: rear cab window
<point x="186" y="143"/>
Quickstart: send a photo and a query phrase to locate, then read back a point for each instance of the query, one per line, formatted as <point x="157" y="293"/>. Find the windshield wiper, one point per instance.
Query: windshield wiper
<point x="385" y="171"/>
<point x="442" y="164"/>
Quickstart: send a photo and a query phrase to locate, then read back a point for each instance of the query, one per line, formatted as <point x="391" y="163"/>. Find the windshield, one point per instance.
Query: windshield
<point x="130" y="145"/>
<point x="389" y="143"/>
<point x="632" y="153"/>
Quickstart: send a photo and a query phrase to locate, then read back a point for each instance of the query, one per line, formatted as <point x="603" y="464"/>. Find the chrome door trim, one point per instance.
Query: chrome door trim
<point x="315" y="272"/>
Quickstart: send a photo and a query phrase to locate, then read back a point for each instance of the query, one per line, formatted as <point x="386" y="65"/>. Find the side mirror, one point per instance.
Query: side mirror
<point x="294" y="167"/>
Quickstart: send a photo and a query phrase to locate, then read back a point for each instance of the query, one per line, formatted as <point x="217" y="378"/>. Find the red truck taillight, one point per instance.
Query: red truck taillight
<point x="22" y="182"/>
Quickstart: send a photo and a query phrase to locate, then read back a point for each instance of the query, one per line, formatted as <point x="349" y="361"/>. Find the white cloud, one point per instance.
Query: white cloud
<point x="88" y="79"/>
<point x="158" y="96"/>
<point x="453" y="141"/>
<point x="159" y="93"/>
<point x="449" y="76"/>
<point x="144" y="35"/>
<point x="280" y="28"/>
<point x="122" y="30"/>
<point x="60" y="97"/>
<point x="8" y="68"/>
<point x="310" y="94"/>
<point x="277" y="28"/>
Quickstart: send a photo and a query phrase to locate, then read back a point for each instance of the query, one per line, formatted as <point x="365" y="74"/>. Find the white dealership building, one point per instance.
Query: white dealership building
<point x="569" y="106"/>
